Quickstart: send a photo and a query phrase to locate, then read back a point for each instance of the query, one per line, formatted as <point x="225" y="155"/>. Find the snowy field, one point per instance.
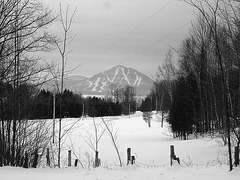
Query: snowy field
<point x="203" y="158"/>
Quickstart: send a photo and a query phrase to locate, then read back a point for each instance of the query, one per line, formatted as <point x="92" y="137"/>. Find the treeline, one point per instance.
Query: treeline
<point x="43" y="105"/>
<point x="40" y="105"/>
<point x="205" y="89"/>
<point x="74" y="106"/>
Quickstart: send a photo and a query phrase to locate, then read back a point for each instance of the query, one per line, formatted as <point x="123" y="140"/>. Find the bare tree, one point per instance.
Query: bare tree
<point x="167" y="73"/>
<point x="66" y="20"/>
<point x="115" y="91"/>
<point x="112" y="132"/>
<point x="23" y="27"/>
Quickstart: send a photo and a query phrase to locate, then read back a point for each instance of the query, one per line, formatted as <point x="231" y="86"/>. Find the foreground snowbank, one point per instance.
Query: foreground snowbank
<point x="129" y="173"/>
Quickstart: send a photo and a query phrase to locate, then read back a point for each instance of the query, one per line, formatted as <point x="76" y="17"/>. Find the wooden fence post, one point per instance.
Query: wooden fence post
<point x="76" y="162"/>
<point x="236" y="156"/>
<point x="149" y="119"/>
<point x="96" y="159"/>
<point x="128" y="155"/>
<point x="171" y="154"/>
<point x="22" y="161"/>
<point x="35" y="160"/>
<point x="48" y="158"/>
<point x="162" y="119"/>
<point x="69" y="158"/>
<point x="25" y="164"/>
<point x="1" y="155"/>
<point x="98" y="162"/>
<point x="18" y="158"/>
<point x="133" y="160"/>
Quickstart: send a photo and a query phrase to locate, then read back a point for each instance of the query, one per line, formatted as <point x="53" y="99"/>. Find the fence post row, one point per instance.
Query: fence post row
<point x="130" y="159"/>
<point x="97" y="160"/>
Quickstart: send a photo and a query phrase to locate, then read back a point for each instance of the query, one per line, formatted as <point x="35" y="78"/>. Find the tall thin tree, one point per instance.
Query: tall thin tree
<point x="66" y="19"/>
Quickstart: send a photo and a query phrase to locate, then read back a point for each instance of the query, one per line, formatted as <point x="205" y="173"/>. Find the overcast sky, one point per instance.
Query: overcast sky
<point x="133" y="33"/>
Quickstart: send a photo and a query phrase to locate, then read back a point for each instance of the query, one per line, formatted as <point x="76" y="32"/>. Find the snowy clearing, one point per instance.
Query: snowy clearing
<point x="203" y="158"/>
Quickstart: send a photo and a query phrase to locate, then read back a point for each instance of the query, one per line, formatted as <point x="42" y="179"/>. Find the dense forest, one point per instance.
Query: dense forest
<point x="204" y="87"/>
<point x="40" y="106"/>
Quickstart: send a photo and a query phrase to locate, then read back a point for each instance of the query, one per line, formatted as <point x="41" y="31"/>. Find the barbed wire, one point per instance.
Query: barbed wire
<point x="89" y="164"/>
<point x="151" y="165"/>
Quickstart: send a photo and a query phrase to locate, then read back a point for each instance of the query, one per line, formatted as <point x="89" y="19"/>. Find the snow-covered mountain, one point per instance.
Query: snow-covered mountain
<point x="121" y="76"/>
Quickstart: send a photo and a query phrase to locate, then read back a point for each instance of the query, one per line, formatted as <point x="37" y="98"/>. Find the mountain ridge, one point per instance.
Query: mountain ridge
<point x="99" y="84"/>
<point x="122" y="76"/>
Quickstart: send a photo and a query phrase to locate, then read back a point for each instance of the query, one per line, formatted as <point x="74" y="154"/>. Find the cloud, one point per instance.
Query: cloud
<point x="107" y="5"/>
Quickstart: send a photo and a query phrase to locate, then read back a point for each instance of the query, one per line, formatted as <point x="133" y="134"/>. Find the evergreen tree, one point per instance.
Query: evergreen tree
<point x="182" y="112"/>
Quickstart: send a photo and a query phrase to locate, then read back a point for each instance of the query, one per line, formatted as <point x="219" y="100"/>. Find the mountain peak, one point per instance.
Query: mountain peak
<point x="99" y="84"/>
<point x="119" y="66"/>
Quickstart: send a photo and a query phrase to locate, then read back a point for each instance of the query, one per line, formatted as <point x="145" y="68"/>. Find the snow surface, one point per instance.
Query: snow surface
<point x="203" y="158"/>
<point x="130" y="173"/>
